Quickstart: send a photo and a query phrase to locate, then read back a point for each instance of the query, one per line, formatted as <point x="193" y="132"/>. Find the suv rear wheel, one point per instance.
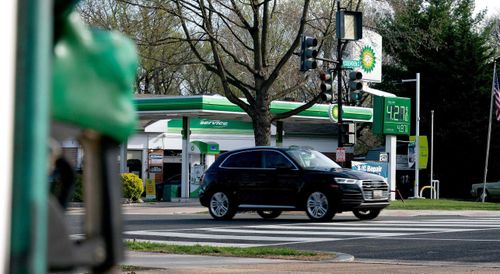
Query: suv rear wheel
<point x="221" y="206"/>
<point x="319" y="207"/>
<point x="366" y="214"/>
<point x="269" y="214"/>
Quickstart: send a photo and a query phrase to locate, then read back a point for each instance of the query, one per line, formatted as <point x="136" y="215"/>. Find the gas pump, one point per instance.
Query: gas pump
<point x="202" y="156"/>
<point x="93" y="76"/>
<point x="89" y="75"/>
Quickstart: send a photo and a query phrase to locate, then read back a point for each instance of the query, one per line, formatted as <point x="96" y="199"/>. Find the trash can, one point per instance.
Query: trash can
<point x="167" y="193"/>
<point x="175" y="191"/>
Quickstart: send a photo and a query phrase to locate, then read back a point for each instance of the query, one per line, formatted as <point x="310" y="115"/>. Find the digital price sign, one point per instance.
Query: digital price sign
<point x="392" y="115"/>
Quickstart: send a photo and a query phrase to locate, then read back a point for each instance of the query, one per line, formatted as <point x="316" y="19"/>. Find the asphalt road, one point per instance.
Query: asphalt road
<point x="440" y="238"/>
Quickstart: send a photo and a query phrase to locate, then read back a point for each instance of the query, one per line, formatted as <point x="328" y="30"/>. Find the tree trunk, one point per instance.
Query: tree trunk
<point x="262" y="129"/>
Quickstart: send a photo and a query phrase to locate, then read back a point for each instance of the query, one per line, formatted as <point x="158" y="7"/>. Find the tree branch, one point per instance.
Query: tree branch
<point x="290" y="51"/>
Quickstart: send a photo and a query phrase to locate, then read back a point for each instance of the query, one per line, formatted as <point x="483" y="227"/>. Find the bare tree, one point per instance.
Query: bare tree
<point x="252" y="43"/>
<point x="156" y="34"/>
<point x="250" y="46"/>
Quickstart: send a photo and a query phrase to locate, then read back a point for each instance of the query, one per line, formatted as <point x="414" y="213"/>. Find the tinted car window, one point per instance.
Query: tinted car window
<point x="251" y="159"/>
<point x="311" y="159"/>
<point x="273" y="159"/>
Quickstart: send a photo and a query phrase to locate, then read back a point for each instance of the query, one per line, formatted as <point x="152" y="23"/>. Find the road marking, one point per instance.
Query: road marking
<point x="412" y="224"/>
<point x="304" y="232"/>
<point x="443" y="239"/>
<point x="297" y="233"/>
<point x="225" y="237"/>
<point x="352" y="228"/>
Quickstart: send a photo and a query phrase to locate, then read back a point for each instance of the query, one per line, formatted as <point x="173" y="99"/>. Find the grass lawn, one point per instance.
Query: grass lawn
<point x="442" y="204"/>
<point x="254" y="252"/>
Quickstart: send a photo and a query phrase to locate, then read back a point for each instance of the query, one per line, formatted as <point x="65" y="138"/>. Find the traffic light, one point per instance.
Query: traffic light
<point x="308" y="53"/>
<point x="326" y="85"/>
<point x="349" y="134"/>
<point x="355" y="85"/>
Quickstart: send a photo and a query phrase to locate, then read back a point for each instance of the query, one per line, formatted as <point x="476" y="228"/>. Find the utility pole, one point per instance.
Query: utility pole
<point x="339" y="82"/>
<point x="432" y="146"/>
<point x="417" y="139"/>
<point x="417" y="133"/>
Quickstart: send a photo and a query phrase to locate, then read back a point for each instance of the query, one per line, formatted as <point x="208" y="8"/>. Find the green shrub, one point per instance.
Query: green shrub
<point x="56" y="187"/>
<point x="78" y="190"/>
<point x="132" y="186"/>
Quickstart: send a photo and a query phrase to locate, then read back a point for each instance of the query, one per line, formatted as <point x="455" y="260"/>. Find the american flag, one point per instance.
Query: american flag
<point x="496" y="92"/>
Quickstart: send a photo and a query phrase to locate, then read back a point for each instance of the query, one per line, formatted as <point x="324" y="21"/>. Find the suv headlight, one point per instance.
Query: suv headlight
<point x="347" y="181"/>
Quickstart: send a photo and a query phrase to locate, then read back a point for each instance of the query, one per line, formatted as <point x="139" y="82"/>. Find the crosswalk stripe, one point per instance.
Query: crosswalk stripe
<point x="416" y="224"/>
<point x="446" y="239"/>
<point x="226" y="237"/>
<point x="299" y="232"/>
<point x="490" y="222"/>
<point x="353" y="228"/>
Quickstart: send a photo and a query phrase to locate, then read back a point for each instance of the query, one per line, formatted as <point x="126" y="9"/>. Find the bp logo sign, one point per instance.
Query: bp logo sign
<point x="369" y="53"/>
<point x="367" y="58"/>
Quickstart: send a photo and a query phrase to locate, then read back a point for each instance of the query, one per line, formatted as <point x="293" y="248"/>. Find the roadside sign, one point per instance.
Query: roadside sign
<point x="351" y="63"/>
<point x="392" y="115"/>
<point x="369" y="53"/>
<point x="379" y="168"/>
<point x="383" y="157"/>
<point x="150" y="189"/>
<point x="423" y="152"/>
<point x="340" y="155"/>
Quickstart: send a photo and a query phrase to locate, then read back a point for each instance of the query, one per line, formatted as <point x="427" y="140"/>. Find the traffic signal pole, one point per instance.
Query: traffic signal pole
<point x="352" y="30"/>
<point x="339" y="84"/>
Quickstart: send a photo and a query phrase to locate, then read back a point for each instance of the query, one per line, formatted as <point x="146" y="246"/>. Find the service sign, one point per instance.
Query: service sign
<point x="392" y="115"/>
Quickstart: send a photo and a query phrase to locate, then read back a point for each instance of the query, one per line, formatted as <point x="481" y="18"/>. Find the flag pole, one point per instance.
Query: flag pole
<point x="483" y="194"/>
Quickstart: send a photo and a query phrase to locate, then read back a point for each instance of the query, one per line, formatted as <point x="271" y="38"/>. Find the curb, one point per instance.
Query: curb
<point x="172" y="261"/>
<point x="341" y="258"/>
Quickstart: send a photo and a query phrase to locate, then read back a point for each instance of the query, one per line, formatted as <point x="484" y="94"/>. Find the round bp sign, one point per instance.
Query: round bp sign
<point x="369" y="52"/>
<point x="368" y="60"/>
<point x="350" y="113"/>
<point x="333" y="113"/>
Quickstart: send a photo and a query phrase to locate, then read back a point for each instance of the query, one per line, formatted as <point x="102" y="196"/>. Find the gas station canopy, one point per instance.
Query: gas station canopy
<point x="201" y="108"/>
<point x="218" y="108"/>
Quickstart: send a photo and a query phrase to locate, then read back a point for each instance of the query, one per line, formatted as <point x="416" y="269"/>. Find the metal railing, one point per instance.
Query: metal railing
<point x="434" y="188"/>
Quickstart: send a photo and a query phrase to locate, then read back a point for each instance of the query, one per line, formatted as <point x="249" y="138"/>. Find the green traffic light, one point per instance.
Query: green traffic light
<point x="356" y="96"/>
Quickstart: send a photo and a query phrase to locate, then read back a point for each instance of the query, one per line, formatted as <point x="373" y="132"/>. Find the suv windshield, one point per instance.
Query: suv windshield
<point x="311" y="159"/>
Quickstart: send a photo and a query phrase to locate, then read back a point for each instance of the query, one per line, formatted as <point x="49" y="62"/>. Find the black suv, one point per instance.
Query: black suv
<point x="271" y="180"/>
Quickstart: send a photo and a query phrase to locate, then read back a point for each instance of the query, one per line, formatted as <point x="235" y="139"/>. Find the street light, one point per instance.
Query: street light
<point x="417" y="133"/>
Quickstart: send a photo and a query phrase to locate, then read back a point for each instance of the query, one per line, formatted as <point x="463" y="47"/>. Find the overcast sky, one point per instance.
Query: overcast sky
<point x="492" y="5"/>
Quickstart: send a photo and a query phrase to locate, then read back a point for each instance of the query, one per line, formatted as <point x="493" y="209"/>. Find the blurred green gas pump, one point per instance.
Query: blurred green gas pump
<point x="89" y="98"/>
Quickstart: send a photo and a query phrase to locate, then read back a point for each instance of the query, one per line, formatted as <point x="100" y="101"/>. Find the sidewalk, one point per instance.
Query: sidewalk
<point x="192" y="205"/>
<point x="176" y="261"/>
<point x="361" y="267"/>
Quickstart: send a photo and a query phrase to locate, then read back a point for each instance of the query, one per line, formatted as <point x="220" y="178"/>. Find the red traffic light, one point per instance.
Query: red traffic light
<point x="324" y="76"/>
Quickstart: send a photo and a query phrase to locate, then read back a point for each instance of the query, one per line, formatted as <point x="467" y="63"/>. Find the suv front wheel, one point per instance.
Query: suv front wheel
<point x="221" y="206"/>
<point x="319" y="207"/>
<point x="366" y="214"/>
